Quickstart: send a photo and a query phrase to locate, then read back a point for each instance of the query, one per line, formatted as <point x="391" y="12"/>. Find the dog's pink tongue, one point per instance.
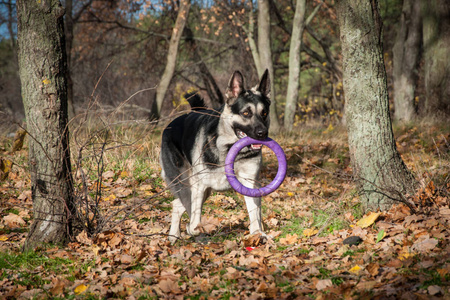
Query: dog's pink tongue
<point x="256" y="146"/>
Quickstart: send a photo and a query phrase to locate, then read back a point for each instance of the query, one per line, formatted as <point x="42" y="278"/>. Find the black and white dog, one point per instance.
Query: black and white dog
<point x="194" y="147"/>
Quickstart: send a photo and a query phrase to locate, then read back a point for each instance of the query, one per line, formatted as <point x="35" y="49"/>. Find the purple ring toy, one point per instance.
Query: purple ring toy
<point x="231" y="176"/>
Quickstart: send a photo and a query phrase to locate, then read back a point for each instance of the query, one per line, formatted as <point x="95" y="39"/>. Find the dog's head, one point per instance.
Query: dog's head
<point x="249" y="109"/>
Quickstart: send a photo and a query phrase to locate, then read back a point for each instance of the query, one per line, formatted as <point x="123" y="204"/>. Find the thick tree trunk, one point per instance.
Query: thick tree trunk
<point x="376" y="163"/>
<point x="265" y="58"/>
<point x="406" y="58"/>
<point x="177" y="31"/>
<point x="42" y="68"/>
<point x="294" y="64"/>
<point x="69" y="42"/>
<point x="436" y="43"/>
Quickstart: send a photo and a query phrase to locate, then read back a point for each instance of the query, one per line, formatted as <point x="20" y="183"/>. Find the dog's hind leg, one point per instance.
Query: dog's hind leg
<point x="177" y="211"/>
<point x="199" y="195"/>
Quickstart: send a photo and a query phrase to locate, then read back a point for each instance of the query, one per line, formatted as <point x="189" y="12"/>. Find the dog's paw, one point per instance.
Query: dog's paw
<point x="173" y="239"/>
<point x="192" y="230"/>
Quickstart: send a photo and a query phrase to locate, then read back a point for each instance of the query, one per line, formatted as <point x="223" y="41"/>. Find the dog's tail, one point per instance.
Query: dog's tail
<point x="196" y="102"/>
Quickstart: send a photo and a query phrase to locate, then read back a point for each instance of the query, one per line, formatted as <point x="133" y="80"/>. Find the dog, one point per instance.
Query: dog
<point x="194" y="147"/>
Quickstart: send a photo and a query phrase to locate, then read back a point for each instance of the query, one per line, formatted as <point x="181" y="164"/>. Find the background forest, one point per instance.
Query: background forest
<point x="118" y="48"/>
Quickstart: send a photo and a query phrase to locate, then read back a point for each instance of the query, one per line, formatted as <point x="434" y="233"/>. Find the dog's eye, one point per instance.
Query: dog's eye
<point x="247" y="113"/>
<point x="264" y="114"/>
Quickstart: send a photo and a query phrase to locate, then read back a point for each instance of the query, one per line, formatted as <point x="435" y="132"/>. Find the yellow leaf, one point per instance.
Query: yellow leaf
<point x="80" y="289"/>
<point x="290" y="194"/>
<point x="95" y="249"/>
<point x="110" y="197"/>
<point x="5" y="168"/>
<point x="355" y="269"/>
<point x="3" y="238"/>
<point x="123" y="174"/>
<point x="368" y="220"/>
<point x="46" y="81"/>
<point x="310" y="232"/>
<point x="405" y="255"/>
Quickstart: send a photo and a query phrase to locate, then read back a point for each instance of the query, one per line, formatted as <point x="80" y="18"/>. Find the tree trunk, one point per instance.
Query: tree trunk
<point x="177" y="31"/>
<point x="406" y="58"/>
<point x="436" y="40"/>
<point x="265" y="57"/>
<point x="377" y="166"/>
<point x="69" y="43"/>
<point x="213" y="90"/>
<point x="294" y="64"/>
<point x="252" y="42"/>
<point x="42" y="69"/>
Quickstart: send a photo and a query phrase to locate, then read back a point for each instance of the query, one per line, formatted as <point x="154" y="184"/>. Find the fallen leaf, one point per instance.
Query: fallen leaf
<point x="355" y="270"/>
<point x="289" y="239"/>
<point x="80" y="289"/>
<point x="169" y="286"/>
<point x="126" y="259"/>
<point x="381" y="234"/>
<point x="83" y="238"/>
<point x="3" y="238"/>
<point x="310" y="232"/>
<point x="434" y="290"/>
<point x="262" y="287"/>
<point x="13" y="221"/>
<point x="208" y="224"/>
<point x="366" y="285"/>
<point x="5" y="168"/>
<point x="368" y="220"/>
<point x="373" y="269"/>
<point x="425" y="245"/>
<point x="323" y="284"/>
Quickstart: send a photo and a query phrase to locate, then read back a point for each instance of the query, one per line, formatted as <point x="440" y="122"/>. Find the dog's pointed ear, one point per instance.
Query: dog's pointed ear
<point x="235" y="85"/>
<point x="264" y="84"/>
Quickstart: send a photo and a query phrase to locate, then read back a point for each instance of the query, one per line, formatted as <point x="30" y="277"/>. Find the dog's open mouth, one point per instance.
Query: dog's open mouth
<point x="240" y="134"/>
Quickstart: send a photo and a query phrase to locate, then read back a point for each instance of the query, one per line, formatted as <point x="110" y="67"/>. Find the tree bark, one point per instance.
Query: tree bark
<point x="42" y="69"/>
<point x="69" y="42"/>
<point x="377" y="166"/>
<point x="406" y="58"/>
<point x="436" y="43"/>
<point x="265" y="57"/>
<point x="213" y="90"/>
<point x="294" y="65"/>
<point x="172" y="54"/>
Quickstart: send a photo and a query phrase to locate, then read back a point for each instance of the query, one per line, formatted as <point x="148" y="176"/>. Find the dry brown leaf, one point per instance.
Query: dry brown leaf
<point x="83" y="238"/>
<point x="126" y="259"/>
<point x="425" y="245"/>
<point x="208" y="225"/>
<point x="13" y="221"/>
<point x="169" y="286"/>
<point x="323" y="284"/>
<point x="262" y="287"/>
<point x="289" y="239"/>
<point x="366" y="285"/>
<point x="373" y="269"/>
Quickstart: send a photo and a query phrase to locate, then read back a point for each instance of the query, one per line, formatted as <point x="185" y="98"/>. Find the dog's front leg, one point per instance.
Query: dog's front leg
<point x="249" y="179"/>
<point x="254" y="213"/>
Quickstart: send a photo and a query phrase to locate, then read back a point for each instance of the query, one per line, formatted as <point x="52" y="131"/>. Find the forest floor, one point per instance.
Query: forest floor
<point x="400" y="254"/>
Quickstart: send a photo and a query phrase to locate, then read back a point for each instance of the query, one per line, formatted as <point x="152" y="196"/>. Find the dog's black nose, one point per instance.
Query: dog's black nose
<point x="261" y="133"/>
